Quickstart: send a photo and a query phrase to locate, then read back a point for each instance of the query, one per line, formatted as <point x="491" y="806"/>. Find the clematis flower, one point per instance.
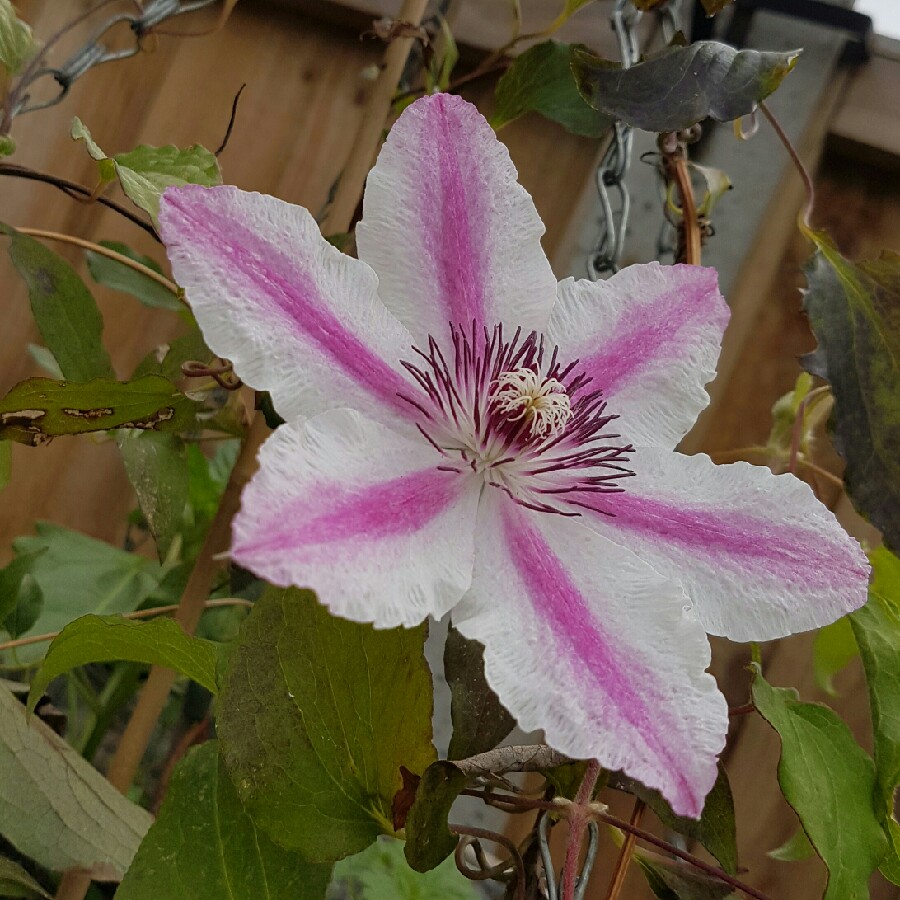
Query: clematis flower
<point x="464" y="434"/>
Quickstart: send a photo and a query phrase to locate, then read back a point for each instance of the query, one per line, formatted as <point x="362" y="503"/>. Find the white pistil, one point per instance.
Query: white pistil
<point x="542" y="402"/>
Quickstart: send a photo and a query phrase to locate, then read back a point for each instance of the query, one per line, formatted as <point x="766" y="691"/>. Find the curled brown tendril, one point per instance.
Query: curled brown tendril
<point x="220" y="371"/>
<point x="472" y="837"/>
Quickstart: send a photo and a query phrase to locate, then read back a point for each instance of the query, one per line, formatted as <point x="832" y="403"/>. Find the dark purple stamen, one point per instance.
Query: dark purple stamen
<point x="460" y="415"/>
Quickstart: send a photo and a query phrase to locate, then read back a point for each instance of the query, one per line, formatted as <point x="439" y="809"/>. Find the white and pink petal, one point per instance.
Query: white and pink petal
<point x="451" y="233"/>
<point x="758" y="555"/>
<point x="649" y="337"/>
<point x="361" y="515"/>
<point x="295" y="316"/>
<point x="585" y="641"/>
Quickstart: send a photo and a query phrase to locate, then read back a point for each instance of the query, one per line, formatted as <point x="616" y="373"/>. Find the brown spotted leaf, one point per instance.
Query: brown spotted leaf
<point x="38" y="409"/>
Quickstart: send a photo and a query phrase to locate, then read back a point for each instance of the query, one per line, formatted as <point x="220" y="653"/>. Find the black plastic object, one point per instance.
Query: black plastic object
<point x="858" y="26"/>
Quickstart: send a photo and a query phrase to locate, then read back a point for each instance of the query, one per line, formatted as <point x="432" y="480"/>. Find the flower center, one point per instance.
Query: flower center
<point x="542" y="403"/>
<point x="508" y="410"/>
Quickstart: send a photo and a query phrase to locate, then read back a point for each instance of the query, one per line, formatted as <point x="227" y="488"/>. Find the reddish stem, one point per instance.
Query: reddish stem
<point x="579" y="819"/>
<point x="797" y="161"/>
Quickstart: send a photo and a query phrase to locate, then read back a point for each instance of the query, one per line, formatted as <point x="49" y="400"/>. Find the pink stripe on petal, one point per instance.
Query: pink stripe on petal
<point x="657" y="334"/>
<point x="397" y="507"/>
<point x="598" y="666"/>
<point x="789" y="552"/>
<point x="282" y="285"/>
<point x="296" y="317"/>
<point x="458" y="246"/>
<point x="588" y="643"/>
<point x="452" y="235"/>
<point x="758" y="555"/>
<point x="649" y="338"/>
<point x="360" y="514"/>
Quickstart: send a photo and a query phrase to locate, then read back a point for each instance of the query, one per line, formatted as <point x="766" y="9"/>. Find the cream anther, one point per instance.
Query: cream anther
<point x="542" y="402"/>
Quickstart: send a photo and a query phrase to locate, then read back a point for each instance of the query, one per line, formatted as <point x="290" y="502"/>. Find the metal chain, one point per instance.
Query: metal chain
<point x="94" y="52"/>
<point x="615" y="200"/>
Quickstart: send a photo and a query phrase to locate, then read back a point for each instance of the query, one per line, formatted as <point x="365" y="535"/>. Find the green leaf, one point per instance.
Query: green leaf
<point x="159" y="642"/>
<point x="21" y="599"/>
<point x="834" y="648"/>
<point x="670" y="879"/>
<point x="17" y="43"/>
<point x="381" y="873"/>
<point x="717" y="184"/>
<point x="813" y="406"/>
<point x="715" y="829"/>
<point x="63" y="308"/>
<point x="39" y="409"/>
<point x="541" y="80"/>
<point x="877" y="630"/>
<point x="854" y="312"/>
<point x="5" y="465"/>
<point x="206" y="485"/>
<point x="11" y="576"/>
<point x="16" y="882"/>
<point x="890" y="865"/>
<point x="441" y="68"/>
<point x="316" y="716"/>
<point x="208" y="477"/>
<point x="79" y="575"/>
<point x="681" y="86"/>
<point x="829" y="781"/>
<point x="428" y="839"/>
<point x="204" y="846"/>
<point x="80" y="132"/>
<point x="28" y="608"/>
<point x="146" y="172"/>
<point x="479" y="720"/>
<point x="55" y="807"/>
<point x="119" y="277"/>
<point x="793" y="849"/>
<point x="157" y="468"/>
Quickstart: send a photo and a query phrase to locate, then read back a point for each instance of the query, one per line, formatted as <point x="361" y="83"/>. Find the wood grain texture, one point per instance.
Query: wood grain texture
<point x="479" y="24"/>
